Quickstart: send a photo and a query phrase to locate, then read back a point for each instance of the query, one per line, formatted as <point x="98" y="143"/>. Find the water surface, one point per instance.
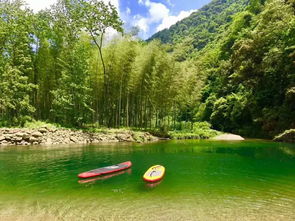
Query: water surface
<point x="205" y="180"/>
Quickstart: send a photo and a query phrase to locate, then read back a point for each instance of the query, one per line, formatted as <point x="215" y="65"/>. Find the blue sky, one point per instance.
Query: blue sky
<point x="149" y="15"/>
<point x="155" y="15"/>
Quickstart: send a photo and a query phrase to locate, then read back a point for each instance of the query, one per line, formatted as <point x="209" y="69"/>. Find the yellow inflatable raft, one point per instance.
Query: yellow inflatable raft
<point x="154" y="173"/>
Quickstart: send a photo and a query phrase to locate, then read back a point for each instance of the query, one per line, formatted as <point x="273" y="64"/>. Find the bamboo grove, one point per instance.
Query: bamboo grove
<point x="54" y="67"/>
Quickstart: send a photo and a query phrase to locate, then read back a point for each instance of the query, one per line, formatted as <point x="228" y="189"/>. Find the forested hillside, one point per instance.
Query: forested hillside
<point x="249" y="69"/>
<point x="201" y="27"/>
<point x="231" y="64"/>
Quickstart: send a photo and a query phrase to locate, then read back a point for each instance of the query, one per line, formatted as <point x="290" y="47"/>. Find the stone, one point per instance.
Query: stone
<point x="74" y="139"/>
<point x="33" y="139"/>
<point x="124" y="137"/>
<point x="66" y="141"/>
<point x="37" y="134"/>
<point x="228" y="137"/>
<point x="62" y="136"/>
<point x="4" y="142"/>
<point x="24" y="143"/>
<point x="17" y="139"/>
<point x="48" y="141"/>
<point x="19" y="134"/>
<point x="26" y="137"/>
<point x="43" y="130"/>
<point x="8" y="136"/>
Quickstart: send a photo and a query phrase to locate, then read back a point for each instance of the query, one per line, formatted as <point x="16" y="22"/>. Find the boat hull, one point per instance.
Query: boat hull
<point x="106" y="170"/>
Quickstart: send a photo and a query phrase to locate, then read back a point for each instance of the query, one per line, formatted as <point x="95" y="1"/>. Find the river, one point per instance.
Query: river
<point x="204" y="180"/>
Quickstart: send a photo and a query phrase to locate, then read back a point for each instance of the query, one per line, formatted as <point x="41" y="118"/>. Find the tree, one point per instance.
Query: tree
<point x="96" y="17"/>
<point x="15" y="63"/>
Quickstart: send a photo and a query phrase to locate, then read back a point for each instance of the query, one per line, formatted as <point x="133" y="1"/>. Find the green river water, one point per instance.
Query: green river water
<point x="204" y="180"/>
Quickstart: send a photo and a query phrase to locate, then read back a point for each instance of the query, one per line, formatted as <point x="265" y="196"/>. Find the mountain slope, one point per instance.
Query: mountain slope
<point x="203" y="26"/>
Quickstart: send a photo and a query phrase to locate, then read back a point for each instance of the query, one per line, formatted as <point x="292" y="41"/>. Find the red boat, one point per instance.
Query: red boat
<point x="104" y="177"/>
<point x="106" y="170"/>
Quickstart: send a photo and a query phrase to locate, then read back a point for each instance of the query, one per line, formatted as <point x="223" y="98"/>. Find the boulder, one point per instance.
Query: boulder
<point x="37" y="134"/>
<point x="24" y="143"/>
<point x="17" y="139"/>
<point x="5" y="143"/>
<point x="26" y="137"/>
<point x="228" y="137"/>
<point x="8" y="136"/>
<point x="43" y="130"/>
<point x="74" y="139"/>
<point x="33" y="139"/>
<point x="20" y="134"/>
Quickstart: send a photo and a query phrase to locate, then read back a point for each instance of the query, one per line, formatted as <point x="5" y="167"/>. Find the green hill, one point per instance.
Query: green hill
<point x="242" y="52"/>
<point x="203" y="26"/>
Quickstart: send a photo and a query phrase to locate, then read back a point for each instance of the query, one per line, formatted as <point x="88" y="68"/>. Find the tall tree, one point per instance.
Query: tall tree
<point x="97" y="17"/>
<point x="16" y="63"/>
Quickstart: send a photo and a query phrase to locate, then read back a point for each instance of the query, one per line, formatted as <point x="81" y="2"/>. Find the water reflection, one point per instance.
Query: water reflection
<point x="153" y="185"/>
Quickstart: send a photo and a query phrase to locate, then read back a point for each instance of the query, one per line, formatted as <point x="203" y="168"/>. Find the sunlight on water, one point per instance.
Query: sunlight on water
<point x="251" y="180"/>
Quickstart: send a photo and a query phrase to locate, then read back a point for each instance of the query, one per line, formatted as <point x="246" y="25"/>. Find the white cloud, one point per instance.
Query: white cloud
<point x="142" y="23"/>
<point x="168" y="21"/>
<point x="158" y="13"/>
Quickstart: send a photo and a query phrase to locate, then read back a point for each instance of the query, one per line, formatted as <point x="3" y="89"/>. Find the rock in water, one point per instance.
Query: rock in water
<point x="228" y="137"/>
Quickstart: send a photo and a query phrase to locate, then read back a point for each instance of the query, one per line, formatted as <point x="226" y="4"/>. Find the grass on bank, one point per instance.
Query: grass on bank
<point x="39" y="124"/>
<point x="199" y="130"/>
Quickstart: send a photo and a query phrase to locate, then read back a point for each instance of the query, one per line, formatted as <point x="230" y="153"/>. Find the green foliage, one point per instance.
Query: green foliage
<point x="15" y="64"/>
<point x="254" y="77"/>
<point x="231" y="64"/>
<point x="39" y="124"/>
<point x="197" y="130"/>
<point x="71" y="103"/>
<point x="200" y="28"/>
<point x="248" y="64"/>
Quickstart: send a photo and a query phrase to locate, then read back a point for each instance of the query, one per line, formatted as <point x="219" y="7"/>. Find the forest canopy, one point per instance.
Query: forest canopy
<point x="231" y="64"/>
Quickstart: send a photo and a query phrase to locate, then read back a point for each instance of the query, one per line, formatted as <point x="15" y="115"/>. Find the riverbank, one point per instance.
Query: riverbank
<point x="52" y="136"/>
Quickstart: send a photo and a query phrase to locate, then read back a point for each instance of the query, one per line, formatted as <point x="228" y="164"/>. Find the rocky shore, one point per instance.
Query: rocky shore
<point x="50" y="136"/>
